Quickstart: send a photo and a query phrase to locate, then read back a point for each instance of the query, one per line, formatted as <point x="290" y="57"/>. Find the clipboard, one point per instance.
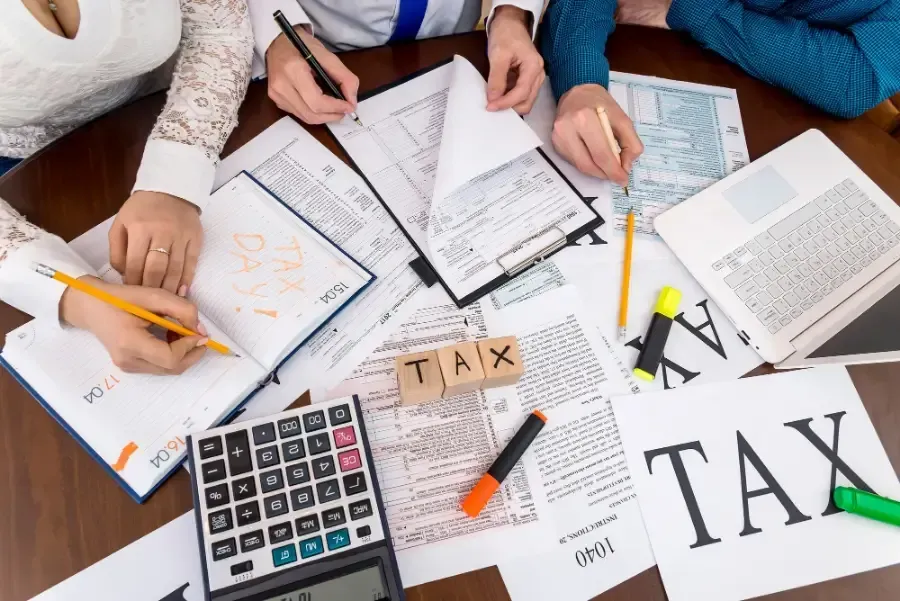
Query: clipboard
<point x="522" y="255"/>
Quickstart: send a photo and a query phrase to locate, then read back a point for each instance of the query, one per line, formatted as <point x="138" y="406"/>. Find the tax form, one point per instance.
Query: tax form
<point x="692" y="135"/>
<point x="466" y="184"/>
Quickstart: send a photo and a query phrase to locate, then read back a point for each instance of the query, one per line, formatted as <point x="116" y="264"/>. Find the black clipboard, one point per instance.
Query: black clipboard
<point x="423" y="267"/>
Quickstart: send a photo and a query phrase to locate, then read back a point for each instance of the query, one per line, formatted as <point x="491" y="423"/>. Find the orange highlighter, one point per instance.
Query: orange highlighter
<point x="501" y="467"/>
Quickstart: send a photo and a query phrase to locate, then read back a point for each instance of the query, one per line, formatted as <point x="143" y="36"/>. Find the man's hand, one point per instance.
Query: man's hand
<point x="649" y="13"/>
<point x="126" y="337"/>
<point x="511" y="52"/>
<point x="293" y="87"/>
<point x="151" y="220"/>
<point x="578" y="135"/>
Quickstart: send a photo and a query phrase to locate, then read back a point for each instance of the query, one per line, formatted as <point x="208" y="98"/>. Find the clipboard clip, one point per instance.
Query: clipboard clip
<point x="532" y="250"/>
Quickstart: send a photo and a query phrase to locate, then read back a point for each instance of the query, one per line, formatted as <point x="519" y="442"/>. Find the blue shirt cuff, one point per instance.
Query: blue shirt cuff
<point x="582" y="67"/>
<point x="692" y="15"/>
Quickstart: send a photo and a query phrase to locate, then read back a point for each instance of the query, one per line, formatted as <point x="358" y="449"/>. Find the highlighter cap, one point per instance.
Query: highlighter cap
<point x="668" y="301"/>
<point x="480" y="495"/>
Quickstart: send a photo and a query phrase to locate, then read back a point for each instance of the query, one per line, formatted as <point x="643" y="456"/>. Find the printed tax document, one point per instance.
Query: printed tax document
<point x="265" y="281"/>
<point x="571" y="372"/>
<point x="466" y="184"/>
<point x="430" y="455"/>
<point x="693" y="136"/>
<point x="735" y="481"/>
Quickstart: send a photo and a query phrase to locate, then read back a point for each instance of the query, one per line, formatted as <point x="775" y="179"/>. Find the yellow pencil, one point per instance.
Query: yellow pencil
<point x="626" y="278"/>
<point x="126" y="306"/>
<point x="610" y="138"/>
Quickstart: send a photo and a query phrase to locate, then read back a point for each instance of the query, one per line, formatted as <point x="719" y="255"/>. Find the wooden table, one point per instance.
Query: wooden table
<point x="60" y="512"/>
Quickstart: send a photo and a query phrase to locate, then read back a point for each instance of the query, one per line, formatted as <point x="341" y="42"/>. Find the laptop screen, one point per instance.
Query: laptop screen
<point x="877" y="330"/>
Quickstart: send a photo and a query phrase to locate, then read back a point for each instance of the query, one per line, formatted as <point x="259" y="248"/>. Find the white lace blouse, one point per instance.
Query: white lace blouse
<point x="49" y="85"/>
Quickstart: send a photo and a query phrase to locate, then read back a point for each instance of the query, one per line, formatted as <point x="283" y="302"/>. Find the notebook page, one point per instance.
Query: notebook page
<point x="136" y="423"/>
<point x="263" y="276"/>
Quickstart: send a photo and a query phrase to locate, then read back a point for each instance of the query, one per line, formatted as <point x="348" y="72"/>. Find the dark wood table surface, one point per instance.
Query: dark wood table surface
<point x="59" y="510"/>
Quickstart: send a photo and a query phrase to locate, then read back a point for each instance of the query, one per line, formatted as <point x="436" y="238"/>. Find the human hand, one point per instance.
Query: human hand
<point x="578" y="135"/>
<point x="132" y="347"/>
<point x="649" y="13"/>
<point x="153" y="220"/>
<point x="292" y="83"/>
<point x="511" y="51"/>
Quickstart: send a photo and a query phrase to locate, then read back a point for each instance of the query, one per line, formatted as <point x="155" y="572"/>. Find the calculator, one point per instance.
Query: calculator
<point x="288" y="509"/>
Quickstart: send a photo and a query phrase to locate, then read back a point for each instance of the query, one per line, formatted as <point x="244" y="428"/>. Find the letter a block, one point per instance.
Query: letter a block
<point x="501" y="361"/>
<point x="419" y="377"/>
<point x="461" y="368"/>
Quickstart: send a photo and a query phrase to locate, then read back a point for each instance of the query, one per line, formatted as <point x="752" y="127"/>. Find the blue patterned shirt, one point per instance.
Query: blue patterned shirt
<point x="842" y="56"/>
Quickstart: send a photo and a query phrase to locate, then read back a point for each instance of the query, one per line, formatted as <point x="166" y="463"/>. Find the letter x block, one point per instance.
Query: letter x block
<point x="461" y="368"/>
<point x="501" y="361"/>
<point x="419" y="377"/>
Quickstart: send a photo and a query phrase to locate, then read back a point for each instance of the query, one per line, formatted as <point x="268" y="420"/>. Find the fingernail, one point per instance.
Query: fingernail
<point x="182" y="292"/>
<point x="202" y="341"/>
<point x="202" y="328"/>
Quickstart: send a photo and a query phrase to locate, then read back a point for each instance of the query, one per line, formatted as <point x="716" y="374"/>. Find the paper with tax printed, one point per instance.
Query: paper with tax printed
<point x="735" y="483"/>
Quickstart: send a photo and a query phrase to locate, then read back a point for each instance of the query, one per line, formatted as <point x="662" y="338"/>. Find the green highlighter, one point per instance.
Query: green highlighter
<point x="866" y="504"/>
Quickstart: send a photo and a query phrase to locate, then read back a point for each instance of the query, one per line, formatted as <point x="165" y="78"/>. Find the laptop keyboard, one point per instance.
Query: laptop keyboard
<point x="795" y="264"/>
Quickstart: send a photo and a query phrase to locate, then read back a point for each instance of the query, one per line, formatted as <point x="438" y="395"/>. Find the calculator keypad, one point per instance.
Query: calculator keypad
<point x="277" y="492"/>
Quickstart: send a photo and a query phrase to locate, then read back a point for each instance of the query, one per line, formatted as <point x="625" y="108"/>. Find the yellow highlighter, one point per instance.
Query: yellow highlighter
<point x="126" y="306"/>
<point x="657" y="334"/>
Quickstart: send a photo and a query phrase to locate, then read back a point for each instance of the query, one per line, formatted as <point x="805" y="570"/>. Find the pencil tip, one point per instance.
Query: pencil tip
<point x="626" y="191"/>
<point x="236" y="355"/>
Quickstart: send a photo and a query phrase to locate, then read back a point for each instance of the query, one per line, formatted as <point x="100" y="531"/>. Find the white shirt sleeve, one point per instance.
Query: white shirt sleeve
<point x="21" y="245"/>
<point x="265" y="29"/>
<point x="535" y="7"/>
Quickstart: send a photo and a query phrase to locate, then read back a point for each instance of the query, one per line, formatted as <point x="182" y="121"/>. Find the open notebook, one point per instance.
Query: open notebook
<point x="266" y="281"/>
<point x="469" y="187"/>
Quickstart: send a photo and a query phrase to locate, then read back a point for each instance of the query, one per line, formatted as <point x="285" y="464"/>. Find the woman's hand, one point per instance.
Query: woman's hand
<point x="132" y="347"/>
<point x="155" y="241"/>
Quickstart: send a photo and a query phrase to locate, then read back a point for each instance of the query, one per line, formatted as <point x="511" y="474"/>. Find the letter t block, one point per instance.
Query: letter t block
<point x="419" y="378"/>
<point x="461" y="368"/>
<point x="501" y="361"/>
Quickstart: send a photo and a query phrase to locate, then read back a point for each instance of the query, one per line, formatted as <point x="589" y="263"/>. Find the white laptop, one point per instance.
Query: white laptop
<point x="800" y="249"/>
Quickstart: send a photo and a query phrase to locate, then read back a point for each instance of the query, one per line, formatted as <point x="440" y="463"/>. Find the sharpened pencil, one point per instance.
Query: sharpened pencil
<point x="626" y="278"/>
<point x="124" y="305"/>
<point x="610" y="138"/>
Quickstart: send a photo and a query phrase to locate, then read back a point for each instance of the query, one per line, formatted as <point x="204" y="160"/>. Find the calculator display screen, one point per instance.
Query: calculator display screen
<point x="363" y="585"/>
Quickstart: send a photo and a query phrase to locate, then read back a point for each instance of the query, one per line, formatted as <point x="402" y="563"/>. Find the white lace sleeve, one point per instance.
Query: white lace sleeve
<point x="210" y="80"/>
<point x="22" y="244"/>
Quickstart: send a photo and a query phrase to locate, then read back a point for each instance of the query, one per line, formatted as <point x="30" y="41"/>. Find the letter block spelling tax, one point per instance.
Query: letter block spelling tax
<point x="501" y="361"/>
<point x="461" y="368"/>
<point x="419" y="377"/>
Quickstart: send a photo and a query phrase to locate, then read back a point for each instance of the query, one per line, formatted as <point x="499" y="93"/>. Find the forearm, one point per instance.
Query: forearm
<point x="531" y="7"/>
<point x="210" y="79"/>
<point x="573" y="42"/>
<point x="826" y="67"/>
<point x="21" y="245"/>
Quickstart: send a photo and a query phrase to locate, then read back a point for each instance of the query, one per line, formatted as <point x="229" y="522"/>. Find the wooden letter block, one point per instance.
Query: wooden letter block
<point x="501" y="361"/>
<point x="419" y="377"/>
<point x="461" y="368"/>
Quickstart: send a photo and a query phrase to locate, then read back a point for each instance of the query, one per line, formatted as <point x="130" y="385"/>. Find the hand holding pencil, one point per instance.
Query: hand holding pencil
<point x="120" y="316"/>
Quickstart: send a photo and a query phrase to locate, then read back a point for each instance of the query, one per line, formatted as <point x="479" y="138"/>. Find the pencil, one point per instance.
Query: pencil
<point x="126" y="306"/>
<point x="626" y="278"/>
<point x="610" y="138"/>
<point x="304" y="51"/>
